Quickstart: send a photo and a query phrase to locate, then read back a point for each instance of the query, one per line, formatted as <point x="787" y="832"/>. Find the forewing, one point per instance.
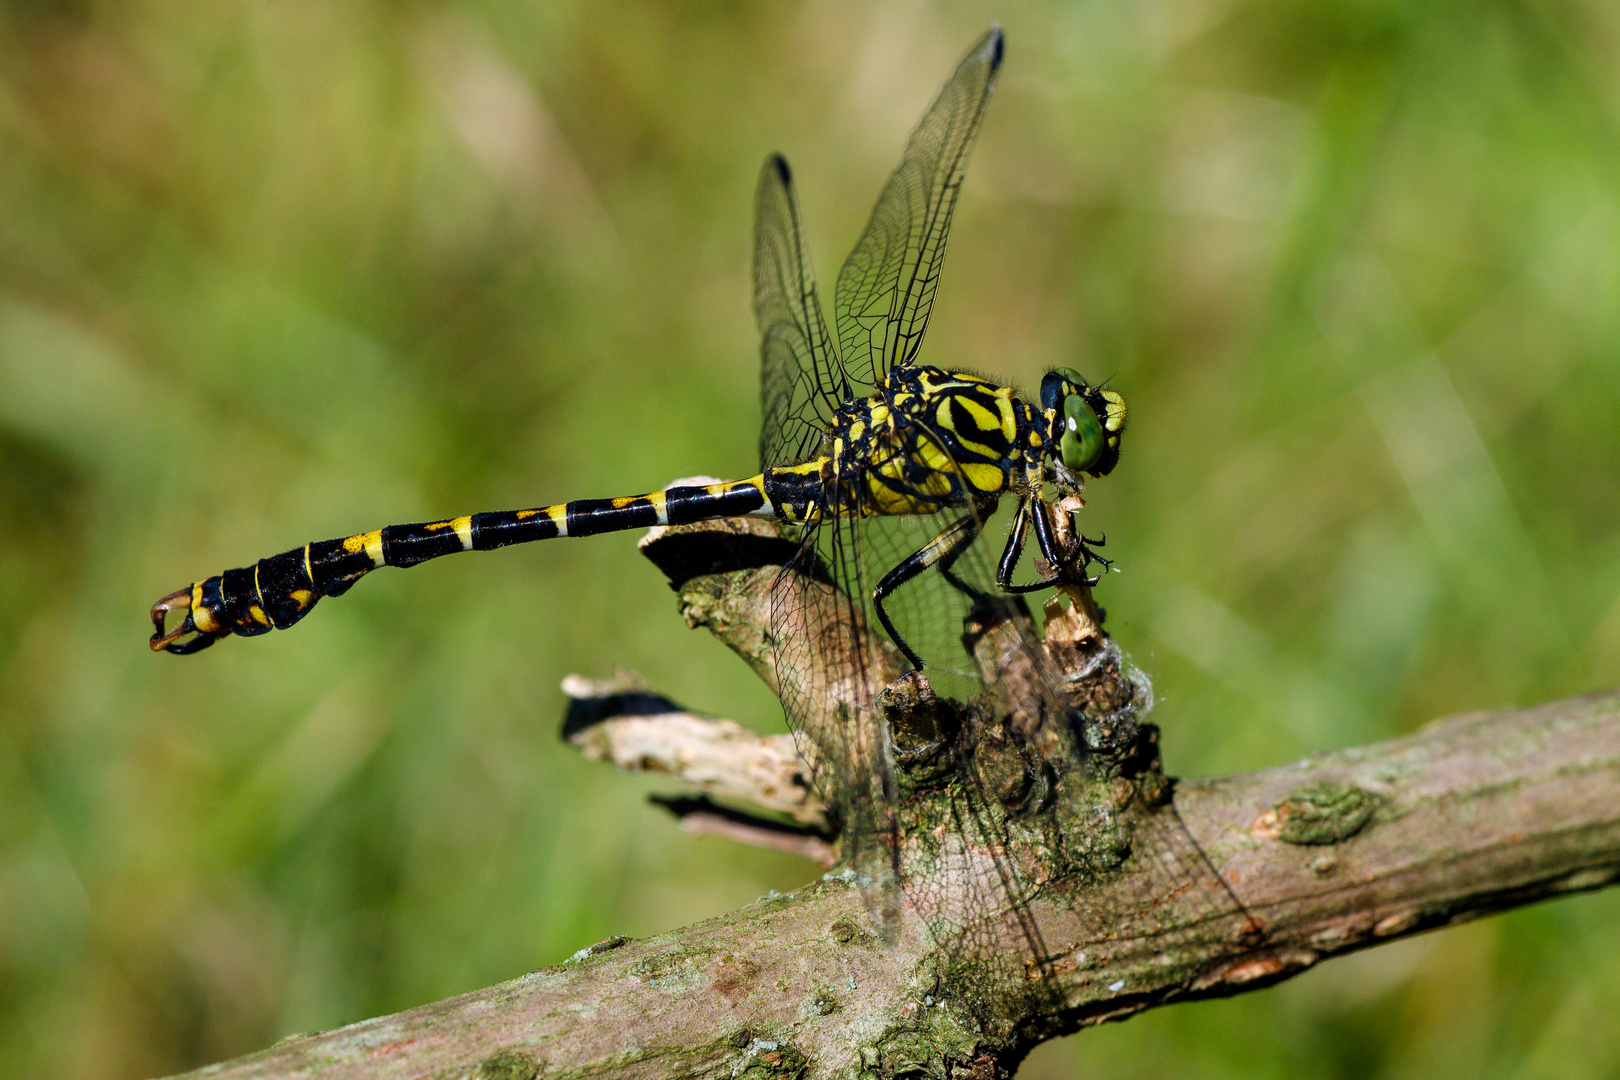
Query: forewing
<point x="885" y="290"/>
<point x="801" y="381"/>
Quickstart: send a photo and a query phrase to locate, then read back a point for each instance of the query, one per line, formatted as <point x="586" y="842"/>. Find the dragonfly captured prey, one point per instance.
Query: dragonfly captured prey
<point x="855" y="430"/>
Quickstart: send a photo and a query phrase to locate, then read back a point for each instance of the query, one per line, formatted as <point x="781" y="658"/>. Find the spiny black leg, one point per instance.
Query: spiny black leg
<point x="1014" y="549"/>
<point x="1030" y="509"/>
<point x="1051" y="550"/>
<point x="944" y="548"/>
<point x="948" y="560"/>
<point x="1062" y="562"/>
<point x="976" y="595"/>
<point x="888" y="627"/>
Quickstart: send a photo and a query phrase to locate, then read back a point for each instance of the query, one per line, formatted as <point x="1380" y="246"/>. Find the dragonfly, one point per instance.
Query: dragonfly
<point x="884" y="473"/>
<point x="853" y="429"/>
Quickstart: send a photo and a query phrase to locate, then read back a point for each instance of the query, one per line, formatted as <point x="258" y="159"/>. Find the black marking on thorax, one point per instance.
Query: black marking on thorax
<point x="1034" y="443"/>
<point x="897" y="436"/>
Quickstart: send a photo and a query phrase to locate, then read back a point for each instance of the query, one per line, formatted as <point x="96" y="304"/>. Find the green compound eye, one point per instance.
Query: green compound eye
<point x="1083" y="438"/>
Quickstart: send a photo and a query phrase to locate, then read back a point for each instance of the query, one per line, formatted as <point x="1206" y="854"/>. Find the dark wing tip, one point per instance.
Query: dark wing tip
<point x="779" y="163"/>
<point x="996" y="43"/>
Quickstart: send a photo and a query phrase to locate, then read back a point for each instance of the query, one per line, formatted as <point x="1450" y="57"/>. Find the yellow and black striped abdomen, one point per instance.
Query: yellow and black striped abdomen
<point x="931" y="439"/>
<point x="276" y="592"/>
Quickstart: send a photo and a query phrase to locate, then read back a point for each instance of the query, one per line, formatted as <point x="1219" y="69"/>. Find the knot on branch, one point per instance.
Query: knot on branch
<point x="1322" y="812"/>
<point x="1035" y="788"/>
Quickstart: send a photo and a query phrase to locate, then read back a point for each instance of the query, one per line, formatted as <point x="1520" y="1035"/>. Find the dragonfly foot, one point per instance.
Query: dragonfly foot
<point x="1087" y="556"/>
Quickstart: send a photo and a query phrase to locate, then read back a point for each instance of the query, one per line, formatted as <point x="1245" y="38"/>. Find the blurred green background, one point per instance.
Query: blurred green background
<point x="277" y="270"/>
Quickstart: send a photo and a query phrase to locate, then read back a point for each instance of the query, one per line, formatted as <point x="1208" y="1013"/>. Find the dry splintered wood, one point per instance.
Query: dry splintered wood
<point x="1292" y="865"/>
<point x="718" y="757"/>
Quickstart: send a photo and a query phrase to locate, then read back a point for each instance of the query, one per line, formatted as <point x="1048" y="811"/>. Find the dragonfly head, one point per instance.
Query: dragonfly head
<point x="1084" y="421"/>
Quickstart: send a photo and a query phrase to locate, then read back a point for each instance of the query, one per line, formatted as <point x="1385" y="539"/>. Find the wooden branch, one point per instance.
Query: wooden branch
<point x="1334" y="853"/>
<point x="622" y="722"/>
<point x="1468" y="816"/>
<point x="1483" y="812"/>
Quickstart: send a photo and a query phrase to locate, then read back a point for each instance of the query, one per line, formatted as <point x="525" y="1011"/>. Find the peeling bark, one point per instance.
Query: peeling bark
<point x="1118" y="909"/>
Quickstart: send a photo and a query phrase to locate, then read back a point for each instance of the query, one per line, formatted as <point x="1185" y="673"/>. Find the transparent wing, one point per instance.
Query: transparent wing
<point x="969" y="636"/>
<point x="831" y="665"/>
<point x="885" y="290"/>
<point x="1020" y="748"/>
<point x="801" y="381"/>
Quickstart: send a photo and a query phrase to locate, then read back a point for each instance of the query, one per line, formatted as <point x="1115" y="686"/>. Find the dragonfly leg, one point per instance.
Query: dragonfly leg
<point x="946" y="562"/>
<point x="1014" y="549"/>
<point x="1030" y="509"/>
<point x="1088" y="556"/>
<point x="1068" y="552"/>
<point x="942" y="550"/>
<point x="1052" y="550"/>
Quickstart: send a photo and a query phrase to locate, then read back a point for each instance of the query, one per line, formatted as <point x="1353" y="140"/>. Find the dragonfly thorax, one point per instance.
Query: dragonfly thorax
<point x="928" y="440"/>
